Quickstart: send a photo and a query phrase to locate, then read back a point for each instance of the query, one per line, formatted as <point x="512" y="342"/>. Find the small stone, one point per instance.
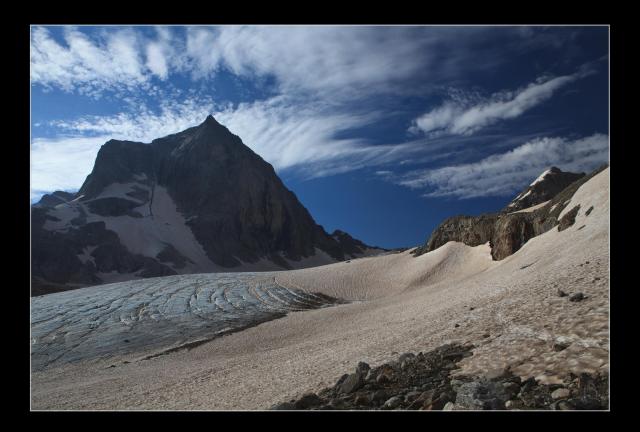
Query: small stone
<point x="352" y="383"/>
<point x="560" y="346"/>
<point x="385" y="375"/>
<point x="513" y="404"/>
<point x="412" y="395"/>
<point x="307" y="401"/>
<point x="577" y="297"/>
<point x="455" y="383"/>
<point x="380" y="395"/>
<point x="283" y="406"/>
<point x="341" y="380"/>
<point x="362" y="367"/>
<point x="511" y="388"/>
<point x="406" y="356"/>
<point x="563" y="405"/>
<point x="426" y="396"/>
<point x="486" y="335"/>
<point x="393" y="402"/>
<point x="561" y="293"/>
<point x="449" y="406"/>
<point x="561" y="393"/>
<point x="363" y="399"/>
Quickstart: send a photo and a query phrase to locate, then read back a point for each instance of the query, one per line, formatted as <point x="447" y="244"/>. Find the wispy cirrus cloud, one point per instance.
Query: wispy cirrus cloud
<point x="505" y="173"/>
<point x="467" y="115"/>
<point x="143" y="124"/>
<point x="341" y="60"/>
<point x="286" y="133"/>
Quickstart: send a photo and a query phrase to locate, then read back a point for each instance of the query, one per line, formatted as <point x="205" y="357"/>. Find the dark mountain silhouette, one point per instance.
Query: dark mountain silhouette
<point x="196" y="201"/>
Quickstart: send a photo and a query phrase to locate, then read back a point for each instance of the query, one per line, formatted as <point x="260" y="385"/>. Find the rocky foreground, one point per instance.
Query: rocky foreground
<point x="428" y="381"/>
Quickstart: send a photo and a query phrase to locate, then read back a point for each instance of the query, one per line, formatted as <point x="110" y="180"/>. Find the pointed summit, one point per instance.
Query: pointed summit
<point x="198" y="201"/>
<point x="210" y="121"/>
<point x="543" y="188"/>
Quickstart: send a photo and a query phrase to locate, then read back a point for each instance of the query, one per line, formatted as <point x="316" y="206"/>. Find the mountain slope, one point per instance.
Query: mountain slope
<point x="196" y="201"/>
<point x="534" y="211"/>
<point x="546" y="186"/>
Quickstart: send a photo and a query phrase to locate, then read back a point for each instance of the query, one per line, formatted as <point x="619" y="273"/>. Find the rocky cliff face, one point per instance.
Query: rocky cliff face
<point x="509" y="229"/>
<point x="546" y="186"/>
<point x="196" y="201"/>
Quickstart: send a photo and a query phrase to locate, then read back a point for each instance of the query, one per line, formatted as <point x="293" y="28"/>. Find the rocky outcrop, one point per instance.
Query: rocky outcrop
<point x="426" y="382"/>
<point x="219" y="191"/>
<point x="546" y="186"/>
<point x="470" y="230"/>
<point x="56" y="264"/>
<point x="508" y="232"/>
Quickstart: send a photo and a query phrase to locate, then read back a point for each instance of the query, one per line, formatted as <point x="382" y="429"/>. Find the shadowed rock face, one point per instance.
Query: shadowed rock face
<point x="507" y="232"/>
<point x="349" y="245"/>
<point x="230" y="199"/>
<point x="548" y="185"/>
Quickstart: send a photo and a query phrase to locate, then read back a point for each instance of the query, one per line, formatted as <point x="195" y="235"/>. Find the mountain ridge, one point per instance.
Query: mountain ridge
<point x="200" y="200"/>
<point x="508" y="229"/>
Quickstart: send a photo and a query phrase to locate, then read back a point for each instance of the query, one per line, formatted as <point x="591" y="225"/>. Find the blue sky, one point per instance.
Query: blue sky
<point x="381" y="131"/>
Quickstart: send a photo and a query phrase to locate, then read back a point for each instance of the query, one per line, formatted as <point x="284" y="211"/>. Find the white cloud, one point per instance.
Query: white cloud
<point x="466" y="116"/>
<point x="505" y="173"/>
<point x="291" y="134"/>
<point x="341" y="60"/>
<point x="156" y="60"/>
<point x="309" y="57"/>
<point x="144" y="125"/>
<point x="62" y="163"/>
<point x="84" y="64"/>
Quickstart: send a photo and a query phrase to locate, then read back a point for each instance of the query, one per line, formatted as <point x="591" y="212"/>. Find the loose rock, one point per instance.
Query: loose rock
<point x="352" y="383"/>
<point x="561" y="393"/>
<point x="308" y="400"/>
<point x="393" y="402"/>
<point x="449" y="406"/>
<point x="577" y="297"/>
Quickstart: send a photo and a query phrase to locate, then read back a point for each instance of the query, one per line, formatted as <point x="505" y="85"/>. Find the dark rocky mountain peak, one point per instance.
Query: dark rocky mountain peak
<point x="351" y="246"/>
<point x="542" y="189"/>
<point x="196" y="201"/>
